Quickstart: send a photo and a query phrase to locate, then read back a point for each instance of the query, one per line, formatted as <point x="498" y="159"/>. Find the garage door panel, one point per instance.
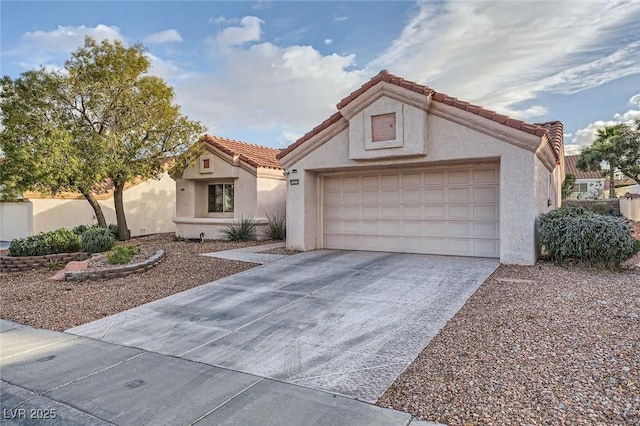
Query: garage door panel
<point x="369" y="196"/>
<point x="454" y="212"/>
<point x="370" y="181"/>
<point x="459" y="229"/>
<point x="435" y="229"/>
<point x="434" y="212"/>
<point x="434" y="178"/>
<point x="390" y="212"/>
<point x="435" y="195"/>
<point x="485" y="230"/>
<point x="462" y="177"/>
<point x="387" y="181"/>
<point x="459" y="195"/>
<point x="459" y="212"/>
<point x="412" y="179"/>
<point x="413" y="195"/>
<point x="485" y="211"/>
<point x="412" y="212"/>
<point x="481" y="176"/>
<point x="370" y="212"/>
<point x="485" y="193"/>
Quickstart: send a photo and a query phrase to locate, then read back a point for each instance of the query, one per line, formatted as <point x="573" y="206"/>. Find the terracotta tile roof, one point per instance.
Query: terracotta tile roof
<point x="550" y="129"/>
<point x="253" y="155"/>
<point x="571" y="169"/>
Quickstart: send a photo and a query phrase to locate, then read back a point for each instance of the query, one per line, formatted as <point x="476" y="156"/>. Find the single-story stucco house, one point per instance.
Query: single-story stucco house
<point x="589" y="184"/>
<point x="403" y="168"/>
<point x="229" y="181"/>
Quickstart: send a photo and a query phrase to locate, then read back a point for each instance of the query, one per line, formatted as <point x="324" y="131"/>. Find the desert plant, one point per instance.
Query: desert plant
<point x="276" y="228"/>
<point x="572" y="232"/>
<point x="97" y="240"/>
<point x="59" y="241"/>
<point x="121" y="255"/>
<point x="80" y="229"/>
<point x="243" y="229"/>
<point x="53" y="265"/>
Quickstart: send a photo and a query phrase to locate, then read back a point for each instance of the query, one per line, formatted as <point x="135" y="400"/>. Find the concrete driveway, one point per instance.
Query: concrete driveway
<point x="341" y="321"/>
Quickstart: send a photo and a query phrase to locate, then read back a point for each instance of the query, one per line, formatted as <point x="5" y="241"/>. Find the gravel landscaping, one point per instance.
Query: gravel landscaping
<point x="534" y="345"/>
<point x="29" y="298"/>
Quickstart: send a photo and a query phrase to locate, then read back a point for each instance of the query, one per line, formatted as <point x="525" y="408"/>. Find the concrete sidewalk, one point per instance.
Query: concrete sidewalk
<point x="58" y="378"/>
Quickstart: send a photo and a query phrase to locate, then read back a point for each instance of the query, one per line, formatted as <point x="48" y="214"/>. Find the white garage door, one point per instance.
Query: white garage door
<point x="452" y="211"/>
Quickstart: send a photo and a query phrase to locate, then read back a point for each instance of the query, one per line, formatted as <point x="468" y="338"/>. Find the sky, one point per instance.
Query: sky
<point x="267" y="72"/>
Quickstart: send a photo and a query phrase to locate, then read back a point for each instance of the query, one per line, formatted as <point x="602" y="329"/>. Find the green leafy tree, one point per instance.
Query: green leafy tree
<point x="619" y="147"/>
<point x="604" y="149"/>
<point x="120" y="121"/>
<point x="40" y="152"/>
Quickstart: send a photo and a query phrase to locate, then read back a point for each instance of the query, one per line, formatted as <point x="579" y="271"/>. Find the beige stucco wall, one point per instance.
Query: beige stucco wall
<point x="149" y="208"/>
<point x="16" y="220"/>
<point x="630" y="208"/>
<point x="521" y="177"/>
<point x="256" y="194"/>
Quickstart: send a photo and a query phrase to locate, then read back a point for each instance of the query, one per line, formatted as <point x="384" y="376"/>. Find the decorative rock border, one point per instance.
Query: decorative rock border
<point x="26" y="263"/>
<point x="123" y="271"/>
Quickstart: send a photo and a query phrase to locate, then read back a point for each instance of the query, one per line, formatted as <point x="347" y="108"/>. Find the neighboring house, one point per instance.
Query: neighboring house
<point x="149" y="207"/>
<point x="229" y="181"/>
<point x="589" y="184"/>
<point x="403" y="168"/>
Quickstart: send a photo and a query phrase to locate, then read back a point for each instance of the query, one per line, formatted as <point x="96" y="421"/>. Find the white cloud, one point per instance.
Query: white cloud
<point x="585" y="136"/>
<point x="166" y="36"/>
<point x="328" y="41"/>
<point x="51" y="48"/>
<point x="263" y="86"/>
<point x="635" y="100"/>
<point x="499" y="56"/>
<point x="222" y="20"/>
<point x="339" y="18"/>
<point x="249" y="30"/>
<point x="67" y="38"/>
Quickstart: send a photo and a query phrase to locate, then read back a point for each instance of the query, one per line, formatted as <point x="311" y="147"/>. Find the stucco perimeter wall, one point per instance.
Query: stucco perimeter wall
<point x="149" y="208"/>
<point x="446" y="142"/>
<point x="16" y="220"/>
<point x="630" y="208"/>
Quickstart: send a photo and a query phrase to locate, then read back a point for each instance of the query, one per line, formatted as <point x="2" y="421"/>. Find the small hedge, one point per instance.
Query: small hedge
<point x="81" y="229"/>
<point x="59" y="241"/>
<point x="97" y="240"/>
<point x="121" y="255"/>
<point x="572" y="232"/>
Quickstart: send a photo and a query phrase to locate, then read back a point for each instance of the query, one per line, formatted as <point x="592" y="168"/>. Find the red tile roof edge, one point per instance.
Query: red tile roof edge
<point x="251" y="154"/>
<point x="549" y="129"/>
<point x="570" y="168"/>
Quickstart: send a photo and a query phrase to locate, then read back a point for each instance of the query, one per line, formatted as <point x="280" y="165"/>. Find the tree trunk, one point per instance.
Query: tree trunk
<point x="612" y="183"/>
<point x="96" y="208"/>
<point x="123" y="230"/>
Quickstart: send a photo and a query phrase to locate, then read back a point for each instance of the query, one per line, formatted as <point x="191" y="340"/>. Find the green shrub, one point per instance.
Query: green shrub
<point x="97" y="240"/>
<point x="572" y="232"/>
<point x="80" y="229"/>
<point x="59" y="241"/>
<point x="276" y="228"/>
<point x="121" y="255"/>
<point x="243" y="229"/>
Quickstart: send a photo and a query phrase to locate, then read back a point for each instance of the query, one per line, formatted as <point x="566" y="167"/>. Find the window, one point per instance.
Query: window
<point x="221" y="198"/>
<point x="580" y="187"/>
